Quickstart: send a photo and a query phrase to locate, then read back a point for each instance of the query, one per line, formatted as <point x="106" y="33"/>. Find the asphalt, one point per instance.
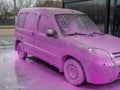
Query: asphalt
<point x="34" y="74"/>
<point x="6" y="43"/>
<point x="6" y="33"/>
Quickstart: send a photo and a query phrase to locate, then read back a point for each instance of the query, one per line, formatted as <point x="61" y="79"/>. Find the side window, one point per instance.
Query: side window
<point x="21" y="20"/>
<point x="31" y="21"/>
<point x="45" y="23"/>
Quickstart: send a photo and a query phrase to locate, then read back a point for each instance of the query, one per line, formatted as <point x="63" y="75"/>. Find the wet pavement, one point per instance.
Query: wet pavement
<point x="6" y="42"/>
<point x="34" y="74"/>
<point x="6" y="32"/>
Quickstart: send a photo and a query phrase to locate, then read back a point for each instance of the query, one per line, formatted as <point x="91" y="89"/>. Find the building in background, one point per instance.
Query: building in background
<point x="105" y="13"/>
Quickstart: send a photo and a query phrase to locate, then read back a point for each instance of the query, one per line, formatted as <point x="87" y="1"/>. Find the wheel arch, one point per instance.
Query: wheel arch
<point x="65" y="58"/>
<point x="16" y="43"/>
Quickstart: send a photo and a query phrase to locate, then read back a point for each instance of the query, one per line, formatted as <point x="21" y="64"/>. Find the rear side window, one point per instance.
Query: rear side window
<point x="21" y="20"/>
<point x="31" y="21"/>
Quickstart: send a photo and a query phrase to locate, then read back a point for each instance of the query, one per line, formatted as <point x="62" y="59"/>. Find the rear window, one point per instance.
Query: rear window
<point x="31" y="21"/>
<point x="21" y="20"/>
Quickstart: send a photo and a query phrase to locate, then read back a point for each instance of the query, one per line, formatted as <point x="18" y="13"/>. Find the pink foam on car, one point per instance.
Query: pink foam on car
<point x="70" y="41"/>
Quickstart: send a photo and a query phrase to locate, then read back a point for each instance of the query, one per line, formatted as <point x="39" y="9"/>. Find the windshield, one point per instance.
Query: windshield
<point x="80" y="24"/>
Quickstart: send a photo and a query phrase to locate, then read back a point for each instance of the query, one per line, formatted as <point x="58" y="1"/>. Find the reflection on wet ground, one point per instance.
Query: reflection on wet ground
<point x="34" y="74"/>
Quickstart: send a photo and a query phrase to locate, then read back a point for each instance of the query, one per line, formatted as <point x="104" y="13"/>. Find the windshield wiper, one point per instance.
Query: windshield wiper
<point x="98" y="33"/>
<point x="82" y="34"/>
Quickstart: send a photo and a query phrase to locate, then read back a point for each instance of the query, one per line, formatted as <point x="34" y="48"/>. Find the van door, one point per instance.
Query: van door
<point x="46" y="47"/>
<point x="29" y="28"/>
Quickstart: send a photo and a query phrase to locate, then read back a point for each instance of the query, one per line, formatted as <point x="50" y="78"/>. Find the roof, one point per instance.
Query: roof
<point x="53" y="11"/>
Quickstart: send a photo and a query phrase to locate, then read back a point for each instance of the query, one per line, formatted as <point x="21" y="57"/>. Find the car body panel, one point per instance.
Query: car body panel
<point x="100" y="41"/>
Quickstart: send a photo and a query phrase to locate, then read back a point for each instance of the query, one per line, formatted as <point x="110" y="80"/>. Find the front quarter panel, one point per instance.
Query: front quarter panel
<point x="70" y="49"/>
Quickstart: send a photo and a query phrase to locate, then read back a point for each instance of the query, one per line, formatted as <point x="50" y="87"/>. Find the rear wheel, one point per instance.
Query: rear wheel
<point x="73" y="72"/>
<point x="21" y="51"/>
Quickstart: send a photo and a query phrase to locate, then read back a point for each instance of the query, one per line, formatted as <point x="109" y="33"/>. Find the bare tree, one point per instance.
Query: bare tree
<point x="3" y="10"/>
<point x="58" y="2"/>
<point x="40" y="3"/>
<point x="48" y="3"/>
<point x="21" y="4"/>
<point x="24" y="4"/>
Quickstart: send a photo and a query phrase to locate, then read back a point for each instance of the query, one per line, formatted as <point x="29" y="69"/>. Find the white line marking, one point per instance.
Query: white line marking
<point x="5" y="42"/>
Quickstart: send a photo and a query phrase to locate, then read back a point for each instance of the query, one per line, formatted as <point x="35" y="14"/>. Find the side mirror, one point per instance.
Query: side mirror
<point x="51" y="33"/>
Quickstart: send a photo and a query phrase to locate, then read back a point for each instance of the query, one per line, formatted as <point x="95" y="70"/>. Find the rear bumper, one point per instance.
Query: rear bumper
<point x="102" y="73"/>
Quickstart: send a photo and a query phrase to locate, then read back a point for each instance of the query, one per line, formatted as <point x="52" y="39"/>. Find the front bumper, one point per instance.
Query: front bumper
<point x="105" y="72"/>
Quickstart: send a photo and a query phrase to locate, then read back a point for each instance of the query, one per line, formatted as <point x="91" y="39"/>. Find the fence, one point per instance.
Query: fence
<point x="8" y="22"/>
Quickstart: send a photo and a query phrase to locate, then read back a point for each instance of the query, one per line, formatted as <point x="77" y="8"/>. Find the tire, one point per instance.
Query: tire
<point x="21" y="52"/>
<point x="73" y="72"/>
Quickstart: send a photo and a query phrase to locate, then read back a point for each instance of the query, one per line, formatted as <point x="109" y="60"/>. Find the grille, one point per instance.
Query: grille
<point x="116" y="54"/>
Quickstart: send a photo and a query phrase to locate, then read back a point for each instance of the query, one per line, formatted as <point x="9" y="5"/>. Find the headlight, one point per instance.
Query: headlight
<point x="99" y="54"/>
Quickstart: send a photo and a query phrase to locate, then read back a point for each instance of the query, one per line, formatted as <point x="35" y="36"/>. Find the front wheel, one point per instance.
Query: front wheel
<point x="73" y="72"/>
<point x="21" y="51"/>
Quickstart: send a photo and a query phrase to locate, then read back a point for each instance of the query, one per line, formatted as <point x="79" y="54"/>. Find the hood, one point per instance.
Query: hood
<point x="107" y="42"/>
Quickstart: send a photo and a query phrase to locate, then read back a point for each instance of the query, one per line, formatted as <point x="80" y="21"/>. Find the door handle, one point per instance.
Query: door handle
<point x="33" y="34"/>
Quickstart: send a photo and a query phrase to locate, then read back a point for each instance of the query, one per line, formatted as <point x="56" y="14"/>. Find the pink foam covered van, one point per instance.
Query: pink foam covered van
<point x="70" y="41"/>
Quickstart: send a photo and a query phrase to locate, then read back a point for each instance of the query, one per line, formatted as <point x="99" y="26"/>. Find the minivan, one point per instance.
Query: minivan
<point x="70" y="41"/>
